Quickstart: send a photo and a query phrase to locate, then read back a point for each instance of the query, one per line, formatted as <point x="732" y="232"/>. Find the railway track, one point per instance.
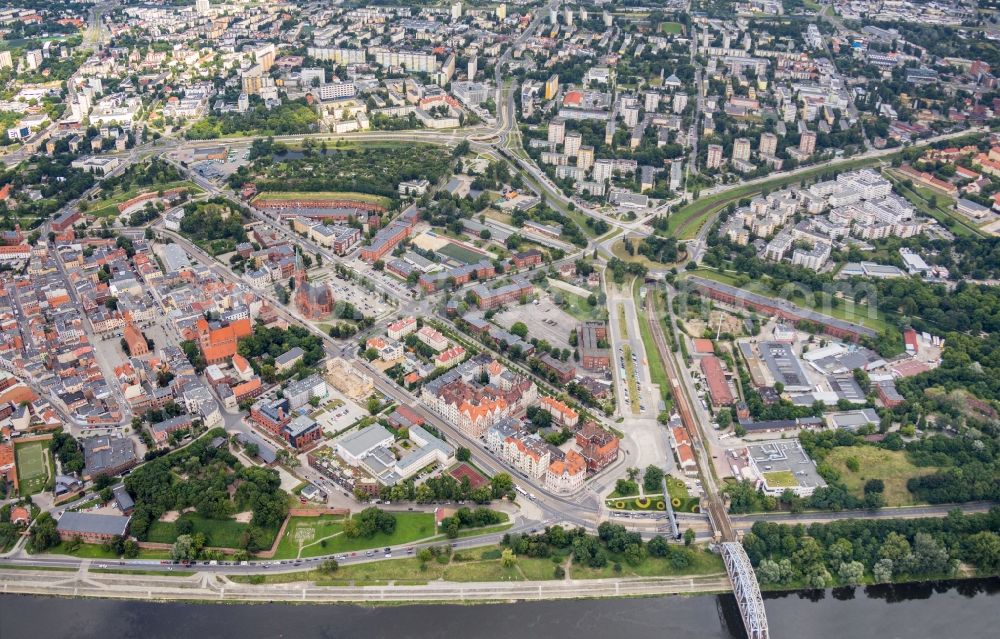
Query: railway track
<point x="716" y="509"/>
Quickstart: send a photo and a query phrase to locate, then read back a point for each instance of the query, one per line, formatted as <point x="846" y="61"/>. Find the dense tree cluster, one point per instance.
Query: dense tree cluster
<point x="377" y="170"/>
<point x="216" y="224"/>
<point x="468" y="518"/>
<point x="201" y="477"/>
<point x="369" y="522"/>
<point x="848" y="551"/>
<point x="288" y="118"/>
<point x="612" y="543"/>
<point x="68" y="451"/>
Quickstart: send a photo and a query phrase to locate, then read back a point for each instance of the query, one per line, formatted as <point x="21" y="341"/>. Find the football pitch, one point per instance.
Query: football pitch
<point x="31" y="471"/>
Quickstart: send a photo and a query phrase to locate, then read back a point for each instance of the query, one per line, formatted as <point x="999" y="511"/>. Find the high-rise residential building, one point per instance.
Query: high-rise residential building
<point x="714" y="156"/>
<point x="6" y="60"/>
<point x="557" y="131"/>
<point x="502" y="11"/>
<point x="585" y="157"/>
<point x="473" y="67"/>
<point x="456" y="10"/>
<point x="741" y="149"/>
<point x="603" y="170"/>
<point x="552" y="86"/>
<point x="652" y="102"/>
<point x="631" y="116"/>
<point x="573" y="142"/>
<point x="807" y="143"/>
<point x="202" y="7"/>
<point x="568" y="16"/>
<point x="680" y="102"/>
<point x="768" y="144"/>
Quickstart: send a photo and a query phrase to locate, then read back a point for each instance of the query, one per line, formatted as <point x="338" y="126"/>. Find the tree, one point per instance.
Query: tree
<point x="501" y="484"/>
<point x="984" y="549"/>
<point x="688" y="537"/>
<point x="520" y="329"/>
<point x="652" y="479"/>
<point x="882" y="571"/>
<point x="329" y="566"/>
<point x="507" y="558"/>
<point x="463" y="454"/>
<point x="183" y="549"/>
<point x="43" y="533"/>
<point x="851" y="572"/>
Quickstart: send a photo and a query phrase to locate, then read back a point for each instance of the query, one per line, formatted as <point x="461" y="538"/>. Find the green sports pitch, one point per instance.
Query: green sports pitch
<point x="31" y="469"/>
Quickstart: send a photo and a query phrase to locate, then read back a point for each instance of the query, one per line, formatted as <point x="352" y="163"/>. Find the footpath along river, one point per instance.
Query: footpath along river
<point x="942" y="610"/>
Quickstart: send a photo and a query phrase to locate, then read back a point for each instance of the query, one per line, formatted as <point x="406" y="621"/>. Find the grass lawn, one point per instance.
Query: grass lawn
<point x="702" y="563"/>
<point x="462" y="254"/>
<point x="919" y="197"/>
<point x="857" y="313"/>
<point x="622" y="321"/>
<point x="326" y="195"/>
<point x="671" y="27"/>
<point x="410" y="527"/>
<point x="108" y="207"/>
<point x="891" y="466"/>
<point x="780" y="479"/>
<point x="633" y="392"/>
<point x="578" y="307"/>
<point x="618" y="249"/>
<point x="657" y="369"/>
<point x="303" y="536"/>
<point x="96" y="551"/>
<point x="467" y="566"/>
<point x="222" y="533"/>
<point x="32" y="473"/>
<point x="157" y="573"/>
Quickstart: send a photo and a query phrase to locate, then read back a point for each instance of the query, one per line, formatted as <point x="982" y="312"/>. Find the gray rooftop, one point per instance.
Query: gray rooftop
<point x="359" y="443"/>
<point x="90" y="523"/>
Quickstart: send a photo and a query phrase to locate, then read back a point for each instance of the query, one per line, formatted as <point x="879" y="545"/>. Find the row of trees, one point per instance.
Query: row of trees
<point x="446" y="488"/>
<point x="612" y="543"/>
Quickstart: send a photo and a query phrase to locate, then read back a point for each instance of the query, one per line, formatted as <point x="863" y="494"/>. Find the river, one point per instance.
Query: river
<point x="945" y="610"/>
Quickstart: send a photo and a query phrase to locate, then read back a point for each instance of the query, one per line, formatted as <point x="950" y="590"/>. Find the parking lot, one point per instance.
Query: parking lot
<point x="338" y="414"/>
<point x="544" y="320"/>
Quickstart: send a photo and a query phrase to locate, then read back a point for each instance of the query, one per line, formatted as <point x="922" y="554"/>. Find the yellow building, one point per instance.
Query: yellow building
<point x="552" y="87"/>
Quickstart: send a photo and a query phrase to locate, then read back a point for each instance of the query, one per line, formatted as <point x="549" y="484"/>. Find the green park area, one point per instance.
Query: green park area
<point x="219" y="533"/>
<point x="32" y="466"/>
<point x="325" y="196"/>
<point x="461" y="253"/>
<point x="578" y="306"/>
<point x="700" y="562"/>
<point x="671" y="28"/>
<point x="324" y="535"/>
<point x="107" y="206"/>
<point x="859" y="464"/>
<point x="657" y="368"/>
<point x="487" y="565"/>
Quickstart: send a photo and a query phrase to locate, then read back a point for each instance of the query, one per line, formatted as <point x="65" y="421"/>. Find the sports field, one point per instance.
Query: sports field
<point x="32" y="473"/>
<point x="461" y="253"/>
